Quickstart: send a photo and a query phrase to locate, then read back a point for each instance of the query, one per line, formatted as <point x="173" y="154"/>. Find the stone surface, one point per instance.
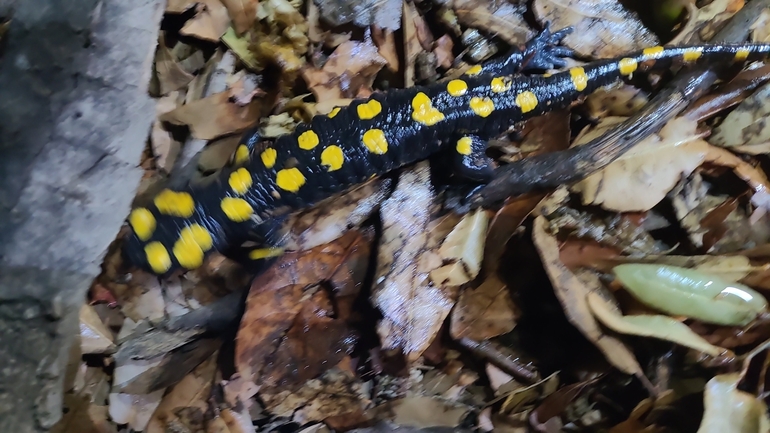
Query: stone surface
<point x="76" y="114"/>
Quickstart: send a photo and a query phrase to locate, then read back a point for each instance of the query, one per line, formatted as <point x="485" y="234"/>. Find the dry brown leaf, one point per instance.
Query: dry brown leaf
<point x="422" y="412"/>
<point x="386" y="44"/>
<point x="164" y="147"/>
<point x="462" y="251"/>
<point x="602" y="28"/>
<point x="134" y="410"/>
<point x="242" y="13"/>
<point x="703" y="23"/>
<point x="336" y="393"/>
<point x="484" y="312"/>
<point x="190" y="395"/>
<point x="502" y="227"/>
<point x="572" y="292"/>
<point x="210" y="21"/>
<point x="443" y="51"/>
<point x="351" y="67"/>
<point x="556" y="403"/>
<point x="172" y="74"/>
<point x="273" y="310"/>
<point x="413" y="308"/>
<point x="747" y="124"/>
<point x="94" y="335"/>
<point x="215" y="116"/>
<point x="412" y="46"/>
<point x="642" y="177"/>
<point x="502" y="19"/>
<point x="760" y="29"/>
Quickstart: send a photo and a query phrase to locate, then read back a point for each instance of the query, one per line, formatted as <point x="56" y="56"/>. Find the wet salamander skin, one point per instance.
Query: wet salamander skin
<point x="368" y="138"/>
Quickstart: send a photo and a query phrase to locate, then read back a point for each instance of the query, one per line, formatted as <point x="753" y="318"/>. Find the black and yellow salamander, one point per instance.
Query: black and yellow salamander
<point x="373" y="136"/>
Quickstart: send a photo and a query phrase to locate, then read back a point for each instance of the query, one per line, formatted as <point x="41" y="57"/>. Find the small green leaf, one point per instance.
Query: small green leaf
<point x="686" y="292"/>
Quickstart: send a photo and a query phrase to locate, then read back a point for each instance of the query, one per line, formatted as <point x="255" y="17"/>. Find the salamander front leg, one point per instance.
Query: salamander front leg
<point x="539" y="53"/>
<point x="471" y="161"/>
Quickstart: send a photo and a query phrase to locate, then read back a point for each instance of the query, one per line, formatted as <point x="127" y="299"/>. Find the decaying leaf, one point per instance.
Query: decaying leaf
<point x="176" y="66"/>
<point x="413" y="307"/>
<point x="385" y="14"/>
<point x="336" y="393"/>
<point x="726" y="408"/>
<point x="350" y="69"/>
<point x="502" y="19"/>
<point x="602" y="28"/>
<point x="423" y="412"/>
<point x="288" y="321"/>
<point x="656" y="326"/>
<point x="747" y="124"/>
<point x="703" y="23"/>
<point x="572" y="293"/>
<point x="94" y="336"/>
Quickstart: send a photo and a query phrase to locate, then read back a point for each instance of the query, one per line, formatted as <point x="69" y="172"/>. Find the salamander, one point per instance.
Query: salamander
<point x="373" y="136"/>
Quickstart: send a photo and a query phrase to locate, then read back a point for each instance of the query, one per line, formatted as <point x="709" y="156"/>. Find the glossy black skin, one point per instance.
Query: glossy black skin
<point x="408" y="140"/>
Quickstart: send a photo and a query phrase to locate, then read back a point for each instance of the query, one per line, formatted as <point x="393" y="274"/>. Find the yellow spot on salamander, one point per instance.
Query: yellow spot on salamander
<point x="307" y="140"/>
<point x="240" y="181"/>
<point x="579" y="78"/>
<point x="143" y="223"/>
<point x="332" y="157"/>
<point x="369" y="110"/>
<point x="741" y="55"/>
<point x="652" y="52"/>
<point x="692" y="55"/>
<point x="424" y="112"/>
<point x="193" y="242"/>
<point x="374" y="140"/>
<point x="547" y="74"/>
<point x="474" y="70"/>
<point x="268" y="157"/>
<point x="527" y="101"/>
<point x="500" y="84"/>
<point x="263" y="253"/>
<point x="236" y="209"/>
<point x="157" y="257"/>
<point x="175" y="203"/>
<point x="482" y="106"/>
<point x="290" y="179"/>
<point x="241" y="154"/>
<point x="627" y="66"/>
<point x="333" y="113"/>
<point x="457" y="87"/>
<point x="464" y="146"/>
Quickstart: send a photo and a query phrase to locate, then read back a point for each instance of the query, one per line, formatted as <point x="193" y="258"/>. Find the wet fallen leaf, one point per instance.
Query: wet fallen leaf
<point x="413" y="309"/>
<point x="423" y="412"/>
<point x="502" y="19"/>
<point x="686" y="292"/>
<point x="572" y="293"/>
<point x="190" y="396"/>
<point x="350" y="68"/>
<point x="728" y="95"/>
<point x="727" y="408"/>
<point x="747" y="123"/>
<point x="656" y="326"/>
<point x="602" y="28"/>
<point x="272" y="330"/>
<point x="216" y="115"/>
<point x="242" y="13"/>
<point x="484" y="312"/>
<point x="94" y="336"/>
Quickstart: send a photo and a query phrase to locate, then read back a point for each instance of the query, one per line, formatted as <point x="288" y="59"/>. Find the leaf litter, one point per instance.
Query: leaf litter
<point x="385" y="306"/>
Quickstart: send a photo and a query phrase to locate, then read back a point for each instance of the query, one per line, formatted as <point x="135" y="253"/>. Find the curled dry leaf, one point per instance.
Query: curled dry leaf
<point x="746" y="125"/>
<point x="242" y="13"/>
<point x="189" y="396"/>
<point x="642" y="177"/>
<point x="216" y="115"/>
<point x="462" y="251"/>
<point x="331" y="218"/>
<point x="602" y="28"/>
<point x="502" y="19"/>
<point x="336" y="393"/>
<point x="572" y="293"/>
<point x="94" y="335"/>
<point x="686" y="292"/>
<point x="656" y="326"/>
<point x="278" y="325"/>
<point x="727" y="408"/>
<point x="413" y="308"/>
<point x="210" y="20"/>
<point x="350" y="69"/>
